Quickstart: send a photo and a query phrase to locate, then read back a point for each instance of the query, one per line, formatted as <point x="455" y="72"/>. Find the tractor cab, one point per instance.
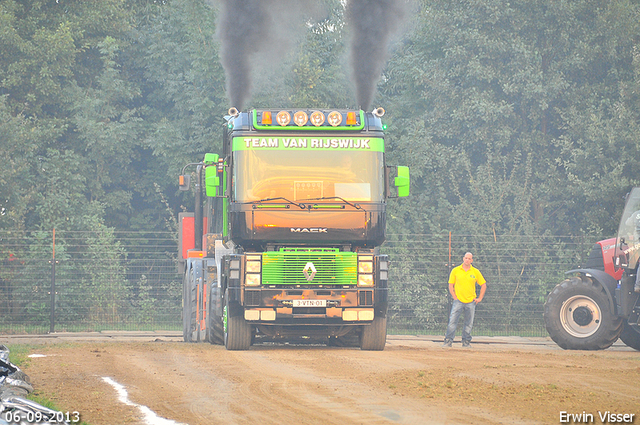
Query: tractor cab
<point x="628" y="239"/>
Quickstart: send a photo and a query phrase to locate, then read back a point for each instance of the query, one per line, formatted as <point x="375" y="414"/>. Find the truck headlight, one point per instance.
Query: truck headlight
<point x="365" y="270"/>
<point x="234" y="269"/>
<point x="365" y="280"/>
<point x="253" y="264"/>
<point x="252" y="279"/>
<point x="384" y="270"/>
<point x="365" y="266"/>
<point x="253" y="269"/>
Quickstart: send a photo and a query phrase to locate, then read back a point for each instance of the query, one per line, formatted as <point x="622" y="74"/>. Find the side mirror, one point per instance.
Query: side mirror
<point x="402" y="181"/>
<point x="211" y="179"/>
<point x="184" y="182"/>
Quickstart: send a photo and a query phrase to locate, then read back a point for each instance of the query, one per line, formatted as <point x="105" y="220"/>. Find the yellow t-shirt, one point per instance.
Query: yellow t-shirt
<point x="464" y="282"/>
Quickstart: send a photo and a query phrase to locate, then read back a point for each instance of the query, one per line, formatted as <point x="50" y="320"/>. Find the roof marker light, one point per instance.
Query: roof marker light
<point x="266" y="118"/>
<point x="351" y="118"/>
<point x="283" y="118"/>
<point x="334" y="118"/>
<point x="300" y="118"/>
<point x="317" y="118"/>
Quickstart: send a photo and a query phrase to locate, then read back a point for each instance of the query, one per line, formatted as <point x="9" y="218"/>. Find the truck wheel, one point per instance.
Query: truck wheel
<point x="237" y="332"/>
<point x="630" y="335"/>
<point x="215" y="331"/>
<point x="374" y="336"/>
<point x="189" y="299"/>
<point x="578" y="317"/>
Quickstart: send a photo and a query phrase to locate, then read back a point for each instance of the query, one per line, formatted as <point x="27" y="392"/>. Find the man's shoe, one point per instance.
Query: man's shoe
<point x="466" y="344"/>
<point x="447" y="343"/>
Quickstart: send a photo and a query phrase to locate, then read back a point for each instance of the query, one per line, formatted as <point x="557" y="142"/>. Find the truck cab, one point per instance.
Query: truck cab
<point x="295" y="213"/>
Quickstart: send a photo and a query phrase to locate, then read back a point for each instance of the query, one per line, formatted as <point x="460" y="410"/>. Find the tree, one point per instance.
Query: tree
<point x="505" y="93"/>
<point x="20" y="138"/>
<point x="48" y="49"/>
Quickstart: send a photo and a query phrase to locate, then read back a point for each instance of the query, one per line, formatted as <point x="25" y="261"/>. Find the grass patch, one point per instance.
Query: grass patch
<point x="19" y="356"/>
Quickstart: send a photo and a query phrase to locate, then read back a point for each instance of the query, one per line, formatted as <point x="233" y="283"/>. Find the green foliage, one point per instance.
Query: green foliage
<point x="105" y="282"/>
<point x="20" y="139"/>
<point x="519" y="108"/>
<point x="183" y="81"/>
<point x="60" y="183"/>
<point x="19" y="354"/>
<point x="44" y="45"/>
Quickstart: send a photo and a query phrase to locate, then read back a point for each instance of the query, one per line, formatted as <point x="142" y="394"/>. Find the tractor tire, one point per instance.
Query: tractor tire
<point x="189" y="308"/>
<point x="374" y="336"/>
<point x="630" y="335"/>
<point x="577" y="316"/>
<point x="237" y="332"/>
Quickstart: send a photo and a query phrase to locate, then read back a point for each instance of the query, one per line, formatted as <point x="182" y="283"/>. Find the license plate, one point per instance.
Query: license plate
<point x="309" y="303"/>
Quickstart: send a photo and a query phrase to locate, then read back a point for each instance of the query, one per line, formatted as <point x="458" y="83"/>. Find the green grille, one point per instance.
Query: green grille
<point x="286" y="266"/>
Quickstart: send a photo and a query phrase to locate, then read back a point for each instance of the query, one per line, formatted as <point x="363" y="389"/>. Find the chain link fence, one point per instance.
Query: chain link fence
<point x="129" y="281"/>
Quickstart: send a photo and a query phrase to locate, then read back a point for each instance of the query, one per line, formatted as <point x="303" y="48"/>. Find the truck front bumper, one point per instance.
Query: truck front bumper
<point x="322" y="306"/>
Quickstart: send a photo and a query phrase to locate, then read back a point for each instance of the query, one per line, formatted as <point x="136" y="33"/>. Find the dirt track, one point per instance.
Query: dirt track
<point x="413" y="381"/>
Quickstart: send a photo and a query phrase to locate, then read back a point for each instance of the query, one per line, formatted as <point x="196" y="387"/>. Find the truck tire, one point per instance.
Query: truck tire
<point x="237" y="332"/>
<point x="578" y="316"/>
<point x="374" y="336"/>
<point x="215" y="331"/>
<point x="189" y="308"/>
<point x="630" y="335"/>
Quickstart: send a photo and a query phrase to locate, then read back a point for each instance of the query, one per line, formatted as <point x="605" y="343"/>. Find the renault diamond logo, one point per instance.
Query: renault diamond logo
<point x="307" y="267"/>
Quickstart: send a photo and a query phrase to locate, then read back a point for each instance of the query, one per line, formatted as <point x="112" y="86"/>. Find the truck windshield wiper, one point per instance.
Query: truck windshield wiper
<point x="356" y="206"/>
<point x="304" y="205"/>
<point x="280" y="198"/>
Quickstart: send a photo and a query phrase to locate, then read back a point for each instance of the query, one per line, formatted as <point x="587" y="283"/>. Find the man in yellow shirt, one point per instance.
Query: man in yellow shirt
<point x="462" y="287"/>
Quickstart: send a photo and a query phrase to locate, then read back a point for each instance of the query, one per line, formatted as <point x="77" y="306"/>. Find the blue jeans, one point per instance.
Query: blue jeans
<point x="457" y="308"/>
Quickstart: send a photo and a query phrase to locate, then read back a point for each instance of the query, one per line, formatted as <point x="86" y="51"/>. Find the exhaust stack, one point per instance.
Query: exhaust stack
<point x="378" y="112"/>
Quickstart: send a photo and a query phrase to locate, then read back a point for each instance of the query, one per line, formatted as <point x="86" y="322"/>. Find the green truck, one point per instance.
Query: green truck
<point x="284" y="239"/>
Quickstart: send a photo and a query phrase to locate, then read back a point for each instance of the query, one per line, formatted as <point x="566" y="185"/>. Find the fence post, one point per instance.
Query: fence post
<point x="449" y="267"/>
<point x="52" y="318"/>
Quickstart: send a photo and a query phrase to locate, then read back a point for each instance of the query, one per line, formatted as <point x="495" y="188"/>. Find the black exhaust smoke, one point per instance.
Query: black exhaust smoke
<point x="249" y="27"/>
<point x="244" y="30"/>
<point x="372" y="23"/>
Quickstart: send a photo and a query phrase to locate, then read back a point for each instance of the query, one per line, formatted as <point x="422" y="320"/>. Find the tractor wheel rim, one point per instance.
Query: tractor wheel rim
<point x="580" y="316"/>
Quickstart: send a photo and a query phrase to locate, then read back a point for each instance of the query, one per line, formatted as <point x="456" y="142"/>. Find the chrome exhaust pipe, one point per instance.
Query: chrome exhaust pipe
<point x="378" y="112"/>
<point x="233" y="112"/>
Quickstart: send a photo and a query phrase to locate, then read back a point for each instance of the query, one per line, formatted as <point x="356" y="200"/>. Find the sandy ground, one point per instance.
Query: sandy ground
<point x="506" y="380"/>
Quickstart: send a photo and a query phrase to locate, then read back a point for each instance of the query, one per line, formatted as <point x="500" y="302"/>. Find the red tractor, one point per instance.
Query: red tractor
<point x="600" y="302"/>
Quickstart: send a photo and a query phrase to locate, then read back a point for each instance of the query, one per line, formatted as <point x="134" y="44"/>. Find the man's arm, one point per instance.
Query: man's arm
<point x="452" y="291"/>
<point x="483" y="289"/>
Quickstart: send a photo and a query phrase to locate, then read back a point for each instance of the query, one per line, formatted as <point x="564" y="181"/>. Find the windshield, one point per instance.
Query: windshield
<point x="629" y="233"/>
<point x="298" y="175"/>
